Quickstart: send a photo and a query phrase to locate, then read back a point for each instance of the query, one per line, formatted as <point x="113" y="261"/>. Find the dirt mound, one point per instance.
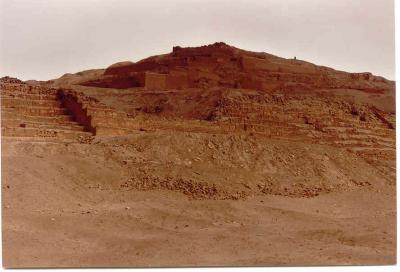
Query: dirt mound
<point x="71" y="79"/>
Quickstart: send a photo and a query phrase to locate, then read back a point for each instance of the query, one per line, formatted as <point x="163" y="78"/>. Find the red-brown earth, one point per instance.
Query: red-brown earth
<point x="205" y="156"/>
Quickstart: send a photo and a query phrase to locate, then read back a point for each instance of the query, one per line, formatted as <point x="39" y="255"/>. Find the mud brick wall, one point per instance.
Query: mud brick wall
<point x="155" y="81"/>
<point x="252" y="63"/>
<point x="362" y="129"/>
<point x="36" y="111"/>
<point x="177" y="80"/>
<point x="158" y="81"/>
<point x="97" y="117"/>
<point x="25" y="89"/>
<point x="77" y="110"/>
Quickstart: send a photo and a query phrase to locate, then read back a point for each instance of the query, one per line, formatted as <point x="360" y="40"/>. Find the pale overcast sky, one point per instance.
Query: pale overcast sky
<point x="43" y="39"/>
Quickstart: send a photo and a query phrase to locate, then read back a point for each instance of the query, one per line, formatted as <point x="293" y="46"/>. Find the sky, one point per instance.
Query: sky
<point x="44" y="39"/>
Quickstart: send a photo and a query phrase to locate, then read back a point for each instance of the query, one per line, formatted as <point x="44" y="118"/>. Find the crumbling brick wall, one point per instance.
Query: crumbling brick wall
<point x="95" y="116"/>
<point x="158" y="81"/>
<point x="177" y="80"/>
<point x="77" y="109"/>
<point x="155" y="81"/>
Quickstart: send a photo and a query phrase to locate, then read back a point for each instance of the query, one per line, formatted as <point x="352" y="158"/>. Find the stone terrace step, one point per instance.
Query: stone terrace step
<point x="371" y="138"/>
<point x="26" y="89"/>
<point x="39" y="119"/>
<point x="36" y="111"/>
<point x="20" y="102"/>
<point x="29" y="96"/>
<point x="362" y="144"/>
<point x="44" y="133"/>
<point x="379" y="131"/>
<point x="23" y="124"/>
<point x="356" y="124"/>
<point x="4" y="139"/>
<point x="380" y="153"/>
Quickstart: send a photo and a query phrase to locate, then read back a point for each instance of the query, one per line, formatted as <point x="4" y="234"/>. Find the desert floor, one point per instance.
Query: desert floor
<point x="69" y="205"/>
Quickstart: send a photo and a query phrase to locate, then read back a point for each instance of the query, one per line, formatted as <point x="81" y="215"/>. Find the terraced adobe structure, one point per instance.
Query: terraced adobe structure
<point x="208" y="156"/>
<point x="36" y="112"/>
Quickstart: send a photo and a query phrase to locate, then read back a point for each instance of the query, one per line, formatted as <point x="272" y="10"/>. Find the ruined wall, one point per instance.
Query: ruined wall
<point x="358" y="128"/>
<point x="97" y="117"/>
<point x="155" y="81"/>
<point x="290" y="66"/>
<point x="177" y="80"/>
<point x="220" y="65"/>
<point x="77" y="109"/>
<point x="37" y="112"/>
<point x="173" y="80"/>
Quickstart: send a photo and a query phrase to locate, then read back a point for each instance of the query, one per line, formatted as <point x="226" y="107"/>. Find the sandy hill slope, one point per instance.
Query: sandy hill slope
<point x="209" y="155"/>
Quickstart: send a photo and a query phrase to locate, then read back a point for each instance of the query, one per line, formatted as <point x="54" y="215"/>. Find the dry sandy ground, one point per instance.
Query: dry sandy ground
<point x="66" y="205"/>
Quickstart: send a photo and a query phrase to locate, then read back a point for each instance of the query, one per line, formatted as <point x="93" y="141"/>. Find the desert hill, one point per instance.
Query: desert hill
<point x="199" y="157"/>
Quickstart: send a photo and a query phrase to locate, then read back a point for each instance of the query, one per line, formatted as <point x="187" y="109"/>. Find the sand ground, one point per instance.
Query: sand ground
<point x="64" y="206"/>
